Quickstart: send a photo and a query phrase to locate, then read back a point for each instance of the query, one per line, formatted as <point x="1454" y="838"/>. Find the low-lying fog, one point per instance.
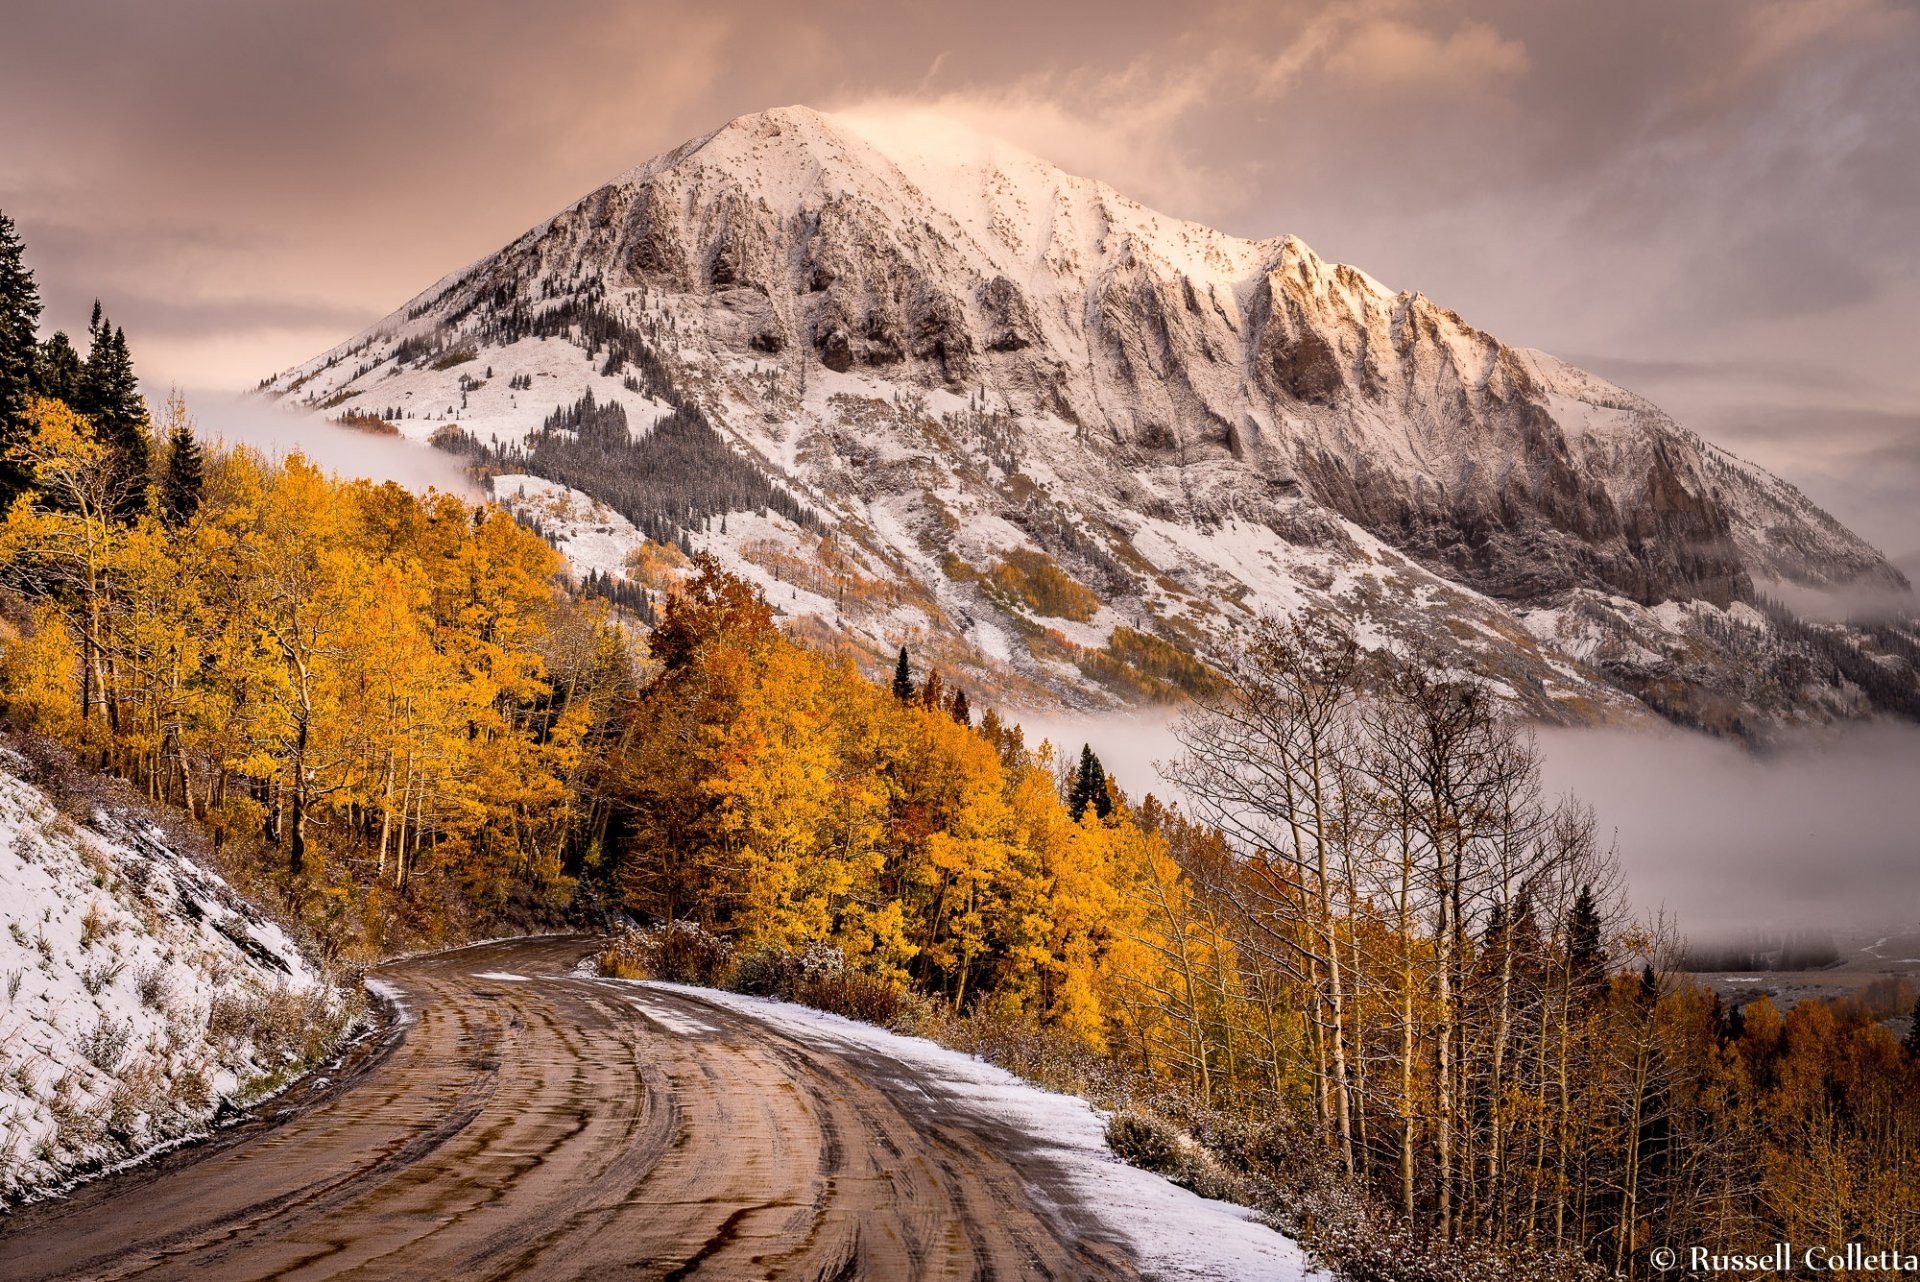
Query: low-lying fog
<point x="1821" y="834"/>
<point x="277" y="430"/>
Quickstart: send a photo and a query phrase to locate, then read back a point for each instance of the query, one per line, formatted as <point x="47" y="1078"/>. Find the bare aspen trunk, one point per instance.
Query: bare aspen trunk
<point x="1443" y="1056"/>
<point x="386" y="813"/>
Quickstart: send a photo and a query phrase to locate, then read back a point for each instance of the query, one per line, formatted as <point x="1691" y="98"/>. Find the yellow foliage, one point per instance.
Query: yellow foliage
<point x="655" y="565"/>
<point x="1033" y="578"/>
<point x="785" y="801"/>
<point x="40" y="674"/>
<point x="349" y="670"/>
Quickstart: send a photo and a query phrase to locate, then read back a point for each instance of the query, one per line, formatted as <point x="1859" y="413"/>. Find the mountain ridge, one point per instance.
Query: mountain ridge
<point x="952" y="350"/>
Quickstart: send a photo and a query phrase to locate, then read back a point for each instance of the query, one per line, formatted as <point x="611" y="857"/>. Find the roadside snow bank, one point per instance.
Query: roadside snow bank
<point x="140" y="993"/>
<point x="1175" y="1235"/>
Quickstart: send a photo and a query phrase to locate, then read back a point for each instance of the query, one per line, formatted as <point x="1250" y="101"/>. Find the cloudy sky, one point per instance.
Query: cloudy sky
<point x="1714" y="202"/>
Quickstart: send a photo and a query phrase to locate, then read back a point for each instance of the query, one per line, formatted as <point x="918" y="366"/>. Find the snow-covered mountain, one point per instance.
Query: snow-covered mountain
<point x="927" y="388"/>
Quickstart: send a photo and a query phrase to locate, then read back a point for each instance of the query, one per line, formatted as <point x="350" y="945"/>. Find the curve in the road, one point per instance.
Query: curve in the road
<point x="526" y="1122"/>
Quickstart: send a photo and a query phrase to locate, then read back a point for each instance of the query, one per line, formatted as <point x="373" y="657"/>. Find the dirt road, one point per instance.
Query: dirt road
<point x="522" y="1122"/>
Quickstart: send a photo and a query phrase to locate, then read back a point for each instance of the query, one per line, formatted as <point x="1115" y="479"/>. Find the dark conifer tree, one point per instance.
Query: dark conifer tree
<point x="19" y="322"/>
<point x="183" y="480"/>
<point x="961" y="712"/>
<point x="1586" y="955"/>
<point x="903" y="678"/>
<point x="1736" y="1023"/>
<point x="57" y="369"/>
<point x="110" y="398"/>
<point x="1089" y="787"/>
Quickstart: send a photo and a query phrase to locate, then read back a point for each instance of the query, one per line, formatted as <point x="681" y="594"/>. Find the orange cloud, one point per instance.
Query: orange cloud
<point x="1389" y="52"/>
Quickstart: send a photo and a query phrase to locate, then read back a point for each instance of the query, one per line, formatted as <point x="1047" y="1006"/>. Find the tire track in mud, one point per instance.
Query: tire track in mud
<point x="558" y="1126"/>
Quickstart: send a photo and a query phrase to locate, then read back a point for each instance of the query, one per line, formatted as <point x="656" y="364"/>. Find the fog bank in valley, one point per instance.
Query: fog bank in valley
<point x="1817" y="834"/>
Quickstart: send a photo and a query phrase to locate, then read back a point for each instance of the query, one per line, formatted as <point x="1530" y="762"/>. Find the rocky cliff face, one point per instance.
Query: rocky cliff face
<point x="954" y="352"/>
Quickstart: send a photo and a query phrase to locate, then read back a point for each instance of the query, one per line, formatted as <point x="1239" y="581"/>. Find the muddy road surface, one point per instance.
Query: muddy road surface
<point x="521" y="1121"/>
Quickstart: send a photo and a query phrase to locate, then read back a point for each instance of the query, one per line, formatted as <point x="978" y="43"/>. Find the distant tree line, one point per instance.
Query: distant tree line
<point x="1888" y="687"/>
<point x="1800" y="950"/>
<point x="667" y="482"/>
<point x="625" y="593"/>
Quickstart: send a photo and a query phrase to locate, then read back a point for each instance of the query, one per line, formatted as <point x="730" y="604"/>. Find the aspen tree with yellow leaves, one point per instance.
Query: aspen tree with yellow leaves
<point x="346" y="674"/>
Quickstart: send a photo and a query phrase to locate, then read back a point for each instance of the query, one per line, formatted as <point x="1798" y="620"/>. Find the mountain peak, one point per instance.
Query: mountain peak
<point x="1074" y="444"/>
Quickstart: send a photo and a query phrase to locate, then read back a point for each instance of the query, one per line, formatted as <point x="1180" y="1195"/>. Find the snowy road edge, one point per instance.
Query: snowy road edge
<point x="1174" y="1234"/>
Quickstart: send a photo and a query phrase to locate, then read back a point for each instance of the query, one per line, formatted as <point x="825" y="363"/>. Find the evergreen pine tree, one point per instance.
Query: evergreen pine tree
<point x="110" y="397"/>
<point x="181" y="485"/>
<point x="903" y="679"/>
<point x="961" y="712"/>
<point x="57" y="369"/>
<point x="1586" y="956"/>
<point x="1736" y="1023"/>
<point x="1089" y="787"/>
<point x="19" y="321"/>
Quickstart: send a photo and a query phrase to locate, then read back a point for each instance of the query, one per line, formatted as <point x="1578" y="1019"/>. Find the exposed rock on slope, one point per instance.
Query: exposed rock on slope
<point x="946" y="350"/>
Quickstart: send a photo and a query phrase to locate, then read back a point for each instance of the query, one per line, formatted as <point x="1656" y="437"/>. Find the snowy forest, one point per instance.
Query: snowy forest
<point x="1366" y="975"/>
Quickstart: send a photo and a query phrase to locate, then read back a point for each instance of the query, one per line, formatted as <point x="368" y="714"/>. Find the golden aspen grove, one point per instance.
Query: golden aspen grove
<point x="1367" y="976"/>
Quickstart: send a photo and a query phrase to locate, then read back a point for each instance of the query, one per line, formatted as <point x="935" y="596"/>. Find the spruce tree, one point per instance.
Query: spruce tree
<point x="1089" y="787"/>
<point x="961" y="712"/>
<point x="57" y="369"/>
<point x="181" y="485"/>
<point x="1586" y="956"/>
<point x="110" y="398"/>
<point x="903" y="679"/>
<point x="19" y="321"/>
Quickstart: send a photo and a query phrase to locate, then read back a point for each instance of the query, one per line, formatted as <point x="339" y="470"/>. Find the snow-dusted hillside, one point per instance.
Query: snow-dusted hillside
<point x="990" y="388"/>
<point x="140" y="993"/>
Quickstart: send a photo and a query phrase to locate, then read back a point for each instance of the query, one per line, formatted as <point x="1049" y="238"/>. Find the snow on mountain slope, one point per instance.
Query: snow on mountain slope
<point x="1061" y="443"/>
<point x="142" y="994"/>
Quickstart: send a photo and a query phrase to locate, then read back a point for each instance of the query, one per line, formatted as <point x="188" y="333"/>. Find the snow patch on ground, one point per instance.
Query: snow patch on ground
<point x="671" y="1020"/>
<point x="1176" y="1235"/>
<point x="588" y="533"/>
<point x="141" y="993"/>
<point x="394" y="997"/>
